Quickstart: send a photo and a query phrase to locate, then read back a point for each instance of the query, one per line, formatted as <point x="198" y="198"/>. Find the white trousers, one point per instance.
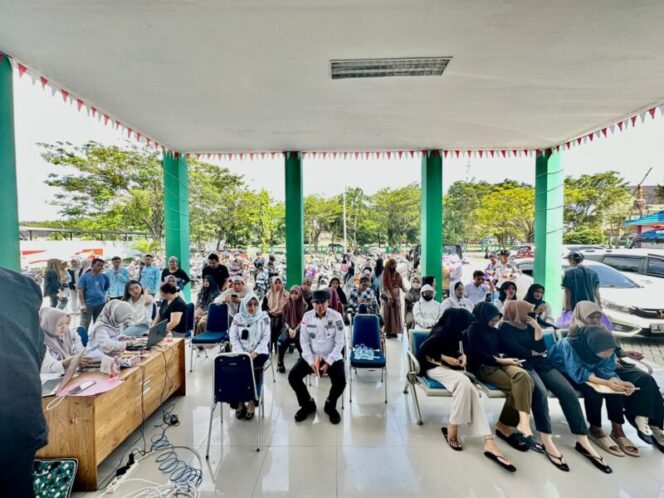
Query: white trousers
<point x="466" y="404"/>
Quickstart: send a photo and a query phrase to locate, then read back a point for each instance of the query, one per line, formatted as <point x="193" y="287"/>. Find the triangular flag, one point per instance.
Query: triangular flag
<point x="612" y="129"/>
<point x="106" y="118"/>
<point x="492" y="152"/>
<point x="357" y="154"/>
<point x="129" y="132"/>
<point x="262" y="155"/>
<point x="21" y="69"/>
<point x="604" y="132"/>
<point x="400" y="154"/>
<point x="445" y="153"/>
<point x="652" y="112"/>
<point x="272" y="154"/>
<point x="412" y="153"/>
<point x="147" y="141"/>
<point x="65" y="94"/>
<point x="480" y="152"/>
<point x="579" y="140"/>
<point x="389" y="154"/>
<point x="643" y="116"/>
<point x="138" y="136"/>
<point x="503" y="153"/>
<point x="93" y="110"/>
<point x="633" y="119"/>
<point x="591" y="136"/>
<point x="251" y="156"/>
<point x="345" y="155"/>
<point x="43" y="81"/>
<point x="567" y="145"/>
<point x="79" y="103"/>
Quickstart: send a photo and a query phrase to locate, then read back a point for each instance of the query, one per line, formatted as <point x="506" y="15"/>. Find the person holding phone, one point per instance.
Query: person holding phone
<point x="233" y="296"/>
<point x="250" y="333"/>
<point x="322" y="340"/>
<point x="521" y="337"/>
<point x="486" y="361"/>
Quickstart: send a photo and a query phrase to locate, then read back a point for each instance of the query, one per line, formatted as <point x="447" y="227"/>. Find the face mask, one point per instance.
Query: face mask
<point x="427" y="297"/>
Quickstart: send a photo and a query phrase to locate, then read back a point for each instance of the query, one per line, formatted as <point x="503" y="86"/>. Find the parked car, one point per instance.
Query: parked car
<point x="632" y="308"/>
<point x="522" y="251"/>
<point x="653" y="239"/>
<point x="639" y="263"/>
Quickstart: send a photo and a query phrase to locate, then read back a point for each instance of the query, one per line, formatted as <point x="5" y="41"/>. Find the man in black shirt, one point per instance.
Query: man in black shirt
<point x="580" y="282"/>
<point x="22" y="426"/>
<point x="218" y="271"/>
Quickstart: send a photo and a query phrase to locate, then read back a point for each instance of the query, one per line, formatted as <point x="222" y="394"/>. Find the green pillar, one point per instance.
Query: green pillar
<point x="432" y="217"/>
<point x="294" y="219"/>
<point x="176" y="211"/>
<point x="549" y="199"/>
<point x="10" y="250"/>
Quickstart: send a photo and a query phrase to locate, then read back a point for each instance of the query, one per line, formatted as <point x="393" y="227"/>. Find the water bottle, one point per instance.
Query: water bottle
<point x="114" y="369"/>
<point x="169" y="336"/>
<point x="369" y="354"/>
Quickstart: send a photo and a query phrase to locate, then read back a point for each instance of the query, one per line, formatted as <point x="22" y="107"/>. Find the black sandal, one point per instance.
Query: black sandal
<point x="500" y="460"/>
<point x="281" y="368"/>
<point x="534" y="445"/>
<point x="241" y="412"/>
<point x="249" y="415"/>
<point x="515" y="440"/>
<point x="452" y="443"/>
<point x="597" y="461"/>
<point x="562" y="465"/>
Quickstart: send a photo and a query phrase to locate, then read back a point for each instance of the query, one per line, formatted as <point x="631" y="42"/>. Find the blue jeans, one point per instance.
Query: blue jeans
<point x="136" y="330"/>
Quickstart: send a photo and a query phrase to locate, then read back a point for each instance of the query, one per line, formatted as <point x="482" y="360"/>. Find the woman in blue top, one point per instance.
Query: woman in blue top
<point x="589" y="356"/>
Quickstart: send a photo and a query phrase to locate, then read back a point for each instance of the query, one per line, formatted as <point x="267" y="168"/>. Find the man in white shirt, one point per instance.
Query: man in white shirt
<point x="322" y="340"/>
<point x="427" y="311"/>
<point x="477" y="290"/>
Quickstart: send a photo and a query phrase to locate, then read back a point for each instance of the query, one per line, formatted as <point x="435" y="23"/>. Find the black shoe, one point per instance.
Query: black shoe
<point x="515" y="440"/>
<point x="305" y="411"/>
<point x="281" y="368"/>
<point x="534" y="445"/>
<point x="596" y="461"/>
<point x="332" y="412"/>
<point x="241" y="412"/>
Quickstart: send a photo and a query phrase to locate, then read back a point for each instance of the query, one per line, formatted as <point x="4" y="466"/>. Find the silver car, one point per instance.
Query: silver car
<point x="632" y="308"/>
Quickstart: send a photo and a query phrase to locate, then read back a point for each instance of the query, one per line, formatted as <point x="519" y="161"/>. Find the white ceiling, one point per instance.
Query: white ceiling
<point x="221" y="75"/>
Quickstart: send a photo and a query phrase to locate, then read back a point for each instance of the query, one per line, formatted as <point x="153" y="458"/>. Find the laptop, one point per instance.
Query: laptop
<point x="52" y="386"/>
<point x="155" y="335"/>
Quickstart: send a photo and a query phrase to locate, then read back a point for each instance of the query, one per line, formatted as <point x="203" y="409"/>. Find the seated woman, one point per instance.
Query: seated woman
<point x="543" y="314"/>
<point x="456" y="299"/>
<point x="274" y="302"/>
<point x="62" y="344"/>
<point x="427" y="311"/>
<point x="410" y="298"/>
<point x="440" y="358"/>
<point x="645" y="408"/>
<point x="589" y="356"/>
<point x="506" y="292"/>
<point x="293" y="312"/>
<point x="521" y="338"/>
<point x="484" y="360"/>
<point x="172" y="308"/>
<point x="209" y="292"/>
<point x="250" y="333"/>
<point x="335" y="283"/>
<point x="141" y="303"/>
<point x="106" y="335"/>
<point x="335" y="302"/>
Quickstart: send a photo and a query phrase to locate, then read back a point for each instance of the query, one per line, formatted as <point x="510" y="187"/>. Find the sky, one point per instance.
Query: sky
<point x="43" y="117"/>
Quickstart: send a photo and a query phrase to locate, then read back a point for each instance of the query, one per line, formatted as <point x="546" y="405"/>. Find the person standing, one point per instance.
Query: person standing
<point x="580" y="283"/>
<point x="74" y="274"/>
<point x="53" y="283"/>
<point x="391" y="297"/>
<point x="504" y="270"/>
<point x="92" y="288"/>
<point x="117" y="278"/>
<point x="23" y="429"/>
<point x="322" y="340"/>
<point x="181" y="277"/>
<point x="218" y="271"/>
<point x="149" y="276"/>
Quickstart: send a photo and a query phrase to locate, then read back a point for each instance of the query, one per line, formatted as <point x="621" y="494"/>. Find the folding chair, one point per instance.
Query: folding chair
<point x="189" y="317"/>
<point x="234" y="382"/>
<point x="216" y="331"/>
<point x="366" y="330"/>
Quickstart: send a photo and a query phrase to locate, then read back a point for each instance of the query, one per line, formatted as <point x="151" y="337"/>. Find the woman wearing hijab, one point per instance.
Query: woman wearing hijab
<point x="62" y="344"/>
<point x="106" y="335"/>
<point x="543" y="314"/>
<point x="484" y="360"/>
<point x="391" y="299"/>
<point x="410" y="298"/>
<point x="274" y="302"/>
<point x="250" y="333"/>
<point x="335" y="283"/>
<point x="209" y="292"/>
<point x="645" y="408"/>
<point x="335" y="302"/>
<point x="442" y="359"/>
<point x="307" y="283"/>
<point x="377" y="279"/>
<point x="589" y="356"/>
<point x="506" y="292"/>
<point x="521" y="337"/>
<point x="294" y="311"/>
<point x="457" y="300"/>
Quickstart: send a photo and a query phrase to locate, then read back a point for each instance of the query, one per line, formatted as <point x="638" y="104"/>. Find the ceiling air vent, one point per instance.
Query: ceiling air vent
<point x="382" y="68"/>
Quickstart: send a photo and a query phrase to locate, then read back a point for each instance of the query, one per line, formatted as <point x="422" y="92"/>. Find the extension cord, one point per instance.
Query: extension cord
<point x="118" y="480"/>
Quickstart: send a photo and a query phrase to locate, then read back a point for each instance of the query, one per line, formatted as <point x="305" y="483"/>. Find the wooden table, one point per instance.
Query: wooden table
<point x="89" y="428"/>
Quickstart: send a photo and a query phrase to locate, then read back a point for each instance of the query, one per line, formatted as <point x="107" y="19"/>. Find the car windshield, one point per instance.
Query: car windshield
<point x="608" y="277"/>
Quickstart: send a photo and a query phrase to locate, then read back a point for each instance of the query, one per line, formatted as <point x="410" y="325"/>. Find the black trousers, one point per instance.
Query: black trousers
<point x="593" y="401"/>
<point x="16" y="475"/>
<point x="91" y="315"/>
<point x="285" y="343"/>
<point x="276" y="326"/>
<point x="647" y="402"/>
<point x="336" y="372"/>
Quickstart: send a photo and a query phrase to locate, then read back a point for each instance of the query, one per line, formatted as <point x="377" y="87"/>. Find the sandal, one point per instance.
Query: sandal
<point x="500" y="460"/>
<point x="453" y="443"/>
<point x="249" y="415"/>
<point x="281" y="368"/>
<point x="607" y="445"/>
<point x="626" y="446"/>
<point x="515" y="440"/>
<point x="596" y="461"/>
<point x="560" y="464"/>
<point x="241" y="412"/>
<point x="534" y="445"/>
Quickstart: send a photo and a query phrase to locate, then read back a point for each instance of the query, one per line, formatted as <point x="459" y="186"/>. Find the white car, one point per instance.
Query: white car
<point x="632" y="308"/>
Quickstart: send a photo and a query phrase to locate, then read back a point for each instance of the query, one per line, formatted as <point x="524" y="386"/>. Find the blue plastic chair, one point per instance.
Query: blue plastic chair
<point x="366" y="330"/>
<point x="83" y="334"/>
<point x="234" y="382"/>
<point x="216" y="331"/>
<point x="189" y="317"/>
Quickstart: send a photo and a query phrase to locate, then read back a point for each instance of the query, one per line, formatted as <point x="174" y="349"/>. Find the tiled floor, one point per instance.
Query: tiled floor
<point x="377" y="450"/>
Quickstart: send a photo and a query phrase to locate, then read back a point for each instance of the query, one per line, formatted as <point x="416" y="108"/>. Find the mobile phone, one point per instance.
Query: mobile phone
<point x="82" y="387"/>
<point x="245" y="334"/>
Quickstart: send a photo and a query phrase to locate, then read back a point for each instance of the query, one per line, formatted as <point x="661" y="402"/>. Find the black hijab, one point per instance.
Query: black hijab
<point x="590" y="340"/>
<point x="208" y="294"/>
<point x="378" y="270"/>
<point x="454" y="320"/>
<point x="484" y="312"/>
<point x="503" y="291"/>
<point x="340" y="292"/>
<point x="530" y="295"/>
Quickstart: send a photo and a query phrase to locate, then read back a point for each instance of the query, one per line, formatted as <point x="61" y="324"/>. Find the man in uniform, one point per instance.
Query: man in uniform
<point x="322" y="340"/>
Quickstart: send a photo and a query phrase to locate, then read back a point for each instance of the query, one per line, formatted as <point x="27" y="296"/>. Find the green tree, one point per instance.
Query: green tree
<point x="397" y="213"/>
<point x="659" y="193"/>
<point x="460" y="209"/>
<point x="589" y="197"/>
<point x="320" y="215"/>
<point x="508" y="212"/>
